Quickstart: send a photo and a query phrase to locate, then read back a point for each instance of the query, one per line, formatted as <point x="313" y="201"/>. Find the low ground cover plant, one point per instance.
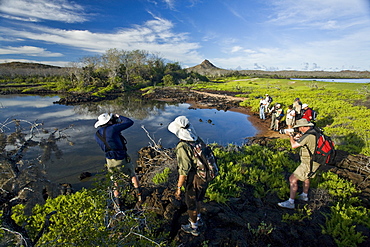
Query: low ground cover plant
<point x="340" y="106"/>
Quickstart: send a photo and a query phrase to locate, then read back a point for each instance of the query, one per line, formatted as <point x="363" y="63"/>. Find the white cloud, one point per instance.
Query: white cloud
<point x="328" y="54"/>
<point x="33" y="10"/>
<point x="170" y="3"/>
<point x="154" y="35"/>
<point x="29" y="19"/>
<point x="236" y="49"/>
<point x="28" y="51"/>
<point x="311" y="12"/>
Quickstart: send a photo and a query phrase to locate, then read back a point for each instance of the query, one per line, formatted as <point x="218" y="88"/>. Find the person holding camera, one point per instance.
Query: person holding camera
<point x="307" y="143"/>
<point x="111" y="141"/>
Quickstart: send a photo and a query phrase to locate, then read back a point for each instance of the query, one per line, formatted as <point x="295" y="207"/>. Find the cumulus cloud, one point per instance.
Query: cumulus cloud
<point x="35" y="10"/>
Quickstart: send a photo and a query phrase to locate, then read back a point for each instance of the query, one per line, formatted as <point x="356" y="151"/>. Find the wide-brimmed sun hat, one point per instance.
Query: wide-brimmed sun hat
<point x="103" y="119"/>
<point x="304" y="105"/>
<point x="182" y="128"/>
<point x="302" y="123"/>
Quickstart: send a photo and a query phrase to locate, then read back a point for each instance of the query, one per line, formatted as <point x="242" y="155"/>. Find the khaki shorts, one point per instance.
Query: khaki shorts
<point x="289" y="121"/>
<point x="302" y="171"/>
<point x="121" y="166"/>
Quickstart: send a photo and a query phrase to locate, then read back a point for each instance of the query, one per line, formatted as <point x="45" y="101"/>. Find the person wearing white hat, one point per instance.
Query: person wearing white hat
<point x="307" y="112"/>
<point x="111" y="141"/>
<point x="307" y="142"/>
<point x="195" y="187"/>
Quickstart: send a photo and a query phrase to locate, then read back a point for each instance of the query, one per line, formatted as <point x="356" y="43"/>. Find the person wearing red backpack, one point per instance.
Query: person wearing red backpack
<point x="307" y="143"/>
<point x="195" y="187"/>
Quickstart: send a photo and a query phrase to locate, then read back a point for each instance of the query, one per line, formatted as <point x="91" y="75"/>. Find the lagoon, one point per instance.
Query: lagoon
<point x="336" y="80"/>
<point x="85" y="156"/>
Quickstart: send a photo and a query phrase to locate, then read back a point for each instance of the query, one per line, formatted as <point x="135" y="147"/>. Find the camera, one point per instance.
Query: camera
<point x="114" y="119"/>
<point x="285" y="131"/>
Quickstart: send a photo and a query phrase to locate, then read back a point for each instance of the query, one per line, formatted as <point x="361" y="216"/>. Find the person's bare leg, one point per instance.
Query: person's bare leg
<point x="135" y="181"/>
<point x="193" y="215"/>
<point x="306" y="186"/>
<point x="293" y="182"/>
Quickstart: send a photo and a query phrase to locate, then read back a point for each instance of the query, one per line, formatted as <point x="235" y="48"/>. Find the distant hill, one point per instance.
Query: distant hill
<point x="208" y="69"/>
<point x="20" y="65"/>
<point x="14" y="69"/>
<point x="205" y="68"/>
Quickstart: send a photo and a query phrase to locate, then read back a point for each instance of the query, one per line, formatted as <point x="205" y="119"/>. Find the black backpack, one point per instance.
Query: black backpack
<point x="207" y="168"/>
<point x="314" y="114"/>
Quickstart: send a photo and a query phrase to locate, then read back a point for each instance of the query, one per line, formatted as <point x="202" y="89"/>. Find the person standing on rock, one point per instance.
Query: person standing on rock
<point x="307" y="141"/>
<point x="195" y="187"/>
<point x="111" y="141"/>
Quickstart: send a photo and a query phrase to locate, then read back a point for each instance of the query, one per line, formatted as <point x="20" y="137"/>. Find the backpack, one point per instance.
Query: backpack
<point x="324" y="153"/>
<point x="314" y="115"/>
<point x="207" y="168"/>
<point x="270" y="99"/>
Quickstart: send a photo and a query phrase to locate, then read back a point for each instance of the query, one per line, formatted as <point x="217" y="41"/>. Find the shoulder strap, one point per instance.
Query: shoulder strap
<point x="102" y="138"/>
<point x="316" y="134"/>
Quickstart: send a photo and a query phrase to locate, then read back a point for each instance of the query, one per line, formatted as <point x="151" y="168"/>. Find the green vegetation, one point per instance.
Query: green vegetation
<point x="161" y="178"/>
<point x="79" y="220"/>
<point x="263" y="169"/>
<point x="341" y="106"/>
<point x="114" y="71"/>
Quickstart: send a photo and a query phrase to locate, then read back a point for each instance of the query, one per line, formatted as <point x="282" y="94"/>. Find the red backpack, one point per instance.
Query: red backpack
<point x="324" y="153"/>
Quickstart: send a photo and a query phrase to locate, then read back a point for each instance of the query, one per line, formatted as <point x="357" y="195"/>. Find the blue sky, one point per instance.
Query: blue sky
<point x="327" y="35"/>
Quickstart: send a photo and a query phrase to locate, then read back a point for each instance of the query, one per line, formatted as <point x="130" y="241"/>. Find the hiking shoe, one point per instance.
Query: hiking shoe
<point x="302" y="198"/>
<point x="188" y="229"/>
<point x="286" y="204"/>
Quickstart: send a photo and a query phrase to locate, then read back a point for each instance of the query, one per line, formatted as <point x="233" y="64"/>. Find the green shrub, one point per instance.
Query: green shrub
<point x="161" y="178"/>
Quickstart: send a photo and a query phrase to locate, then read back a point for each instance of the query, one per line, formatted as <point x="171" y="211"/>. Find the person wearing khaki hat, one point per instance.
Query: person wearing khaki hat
<point x="111" y="141"/>
<point x="306" y="140"/>
<point x="195" y="187"/>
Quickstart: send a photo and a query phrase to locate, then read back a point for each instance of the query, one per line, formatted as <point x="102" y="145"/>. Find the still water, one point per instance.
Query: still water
<point x="85" y="155"/>
<point x="336" y="80"/>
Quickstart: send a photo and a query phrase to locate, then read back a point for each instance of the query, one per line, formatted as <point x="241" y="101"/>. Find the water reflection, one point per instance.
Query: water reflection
<point x="85" y="155"/>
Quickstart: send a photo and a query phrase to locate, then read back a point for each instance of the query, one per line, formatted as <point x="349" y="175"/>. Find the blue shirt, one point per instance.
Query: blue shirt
<point x="112" y="136"/>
